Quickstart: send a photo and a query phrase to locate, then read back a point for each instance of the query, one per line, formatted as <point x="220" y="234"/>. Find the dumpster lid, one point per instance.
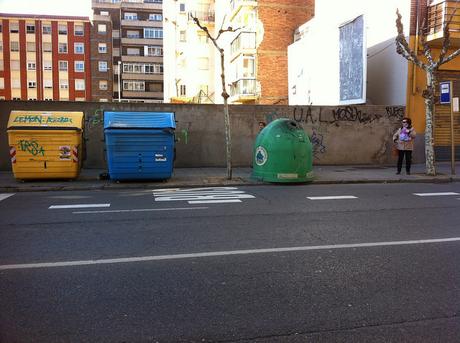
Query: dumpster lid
<point x="45" y="120"/>
<point x="148" y="120"/>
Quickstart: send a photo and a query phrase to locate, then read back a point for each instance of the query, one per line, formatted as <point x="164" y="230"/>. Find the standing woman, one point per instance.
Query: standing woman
<point x="404" y="140"/>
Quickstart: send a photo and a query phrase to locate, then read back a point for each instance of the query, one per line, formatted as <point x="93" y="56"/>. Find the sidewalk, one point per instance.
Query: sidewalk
<point x="203" y="177"/>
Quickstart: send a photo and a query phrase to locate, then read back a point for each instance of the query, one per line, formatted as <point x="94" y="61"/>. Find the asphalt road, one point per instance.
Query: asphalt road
<point x="246" y="264"/>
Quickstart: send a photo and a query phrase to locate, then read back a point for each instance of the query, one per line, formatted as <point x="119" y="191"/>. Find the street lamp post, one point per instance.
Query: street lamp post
<point x="119" y="77"/>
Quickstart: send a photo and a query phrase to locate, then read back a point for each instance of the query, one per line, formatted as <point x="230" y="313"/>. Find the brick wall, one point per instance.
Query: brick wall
<point x="279" y="19"/>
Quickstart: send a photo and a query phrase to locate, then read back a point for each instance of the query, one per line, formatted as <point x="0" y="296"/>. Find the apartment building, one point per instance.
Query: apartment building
<point x="257" y="52"/>
<point x="44" y="57"/>
<point x="128" y="35"/>
<point x="435" y="15"/>
<point x="189" y="53"/>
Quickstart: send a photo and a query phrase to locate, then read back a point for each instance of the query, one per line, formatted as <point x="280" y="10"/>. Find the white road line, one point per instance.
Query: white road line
<point x="58" y="207"/>
<point x="223" y="253"/>
<point x="435" y="194"/>
<point x="143" y="210"/>
<point x="4" y="196"/>
<point x="212" y="201"/>
<point x="338" y="197"/>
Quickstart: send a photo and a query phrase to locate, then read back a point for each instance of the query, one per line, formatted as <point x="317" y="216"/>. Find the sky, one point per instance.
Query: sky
<point x="51" y="7"/>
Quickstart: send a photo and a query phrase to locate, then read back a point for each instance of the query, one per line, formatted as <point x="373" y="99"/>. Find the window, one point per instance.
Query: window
<point x="203" y="38"/>
<point x="133" y="85"/>
<point x="79" y="48"/>
<point x="103" y="85"/>
<point x="130" y="16"/>
<point x="203" y="63"/>
<point x="62" y="48"/>
<point x="32" y="84"/>
<point x="46" y="28"/>
<point x="2" y="83"/>
<point x="64" y="84"/>
<point x="133" y="51"/>
<point x="1" y="65"/>
<point x="14" y="65"/>
<point x="102" y="28"/>
<point x="182" y="7"/>
<point x="30" y="46"/>
<point x="183" y="90"/>
<point x="79" y="66"/>
<point x="79" y="30"/>
<point x="102" y="48"/>
<point x="102" y="66"/>
<point x="15" y="84"/>
<point x="30" y="28"/>
<point x="47" y="65"/>
<point x="14" y="27"/>
<point x="1" y="28"/>
<point x="63" y="65"/>
<point x="31" y="65"/>
<point x="79" y="85"/>
<point x="155" y="17"/>
<point x="62" y="29"/>
<point x="1" y="45"/>
<point x="153" y="51"/>
<point x="48" y="83"/>
<point x="153" y="33"/>
<point x="182" y="36"/>
<point x="14" y="46"/>
<point x="47" y="47"/>
<point x="132" y="34"/>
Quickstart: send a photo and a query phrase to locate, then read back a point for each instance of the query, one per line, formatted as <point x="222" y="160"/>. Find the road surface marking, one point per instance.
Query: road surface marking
<point x="58" y="207"/>
<point x="223" y="253"/>
<point x="208" y="195"/>
<point x="338" y="197"/>
<point x="4" y="196"/>
<point x="213" y="201"/>
<point x="435" y="194"/>
<point x="143" y="210"/>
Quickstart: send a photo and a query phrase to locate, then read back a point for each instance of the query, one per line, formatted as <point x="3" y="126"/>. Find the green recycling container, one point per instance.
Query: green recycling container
<point x="283" y="153"/>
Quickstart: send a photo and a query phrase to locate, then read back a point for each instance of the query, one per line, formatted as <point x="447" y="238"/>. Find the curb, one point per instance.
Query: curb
<point x="215" y="183"/>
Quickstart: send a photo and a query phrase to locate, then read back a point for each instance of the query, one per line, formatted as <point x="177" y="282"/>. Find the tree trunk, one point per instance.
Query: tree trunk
<point x="228" y="133"/>
<point x="228" y="139"/>
<point x="429" y="111"/>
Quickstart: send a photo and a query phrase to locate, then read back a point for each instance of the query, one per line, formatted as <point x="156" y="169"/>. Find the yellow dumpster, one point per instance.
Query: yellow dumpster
<point x="45" y="145"/>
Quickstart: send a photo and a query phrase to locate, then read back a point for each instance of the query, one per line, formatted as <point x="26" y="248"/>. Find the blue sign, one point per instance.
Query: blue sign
<point x="445" y="92"/>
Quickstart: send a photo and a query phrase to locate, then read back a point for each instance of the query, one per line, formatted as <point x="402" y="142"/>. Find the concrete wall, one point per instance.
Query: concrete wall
<point x="340" y="135"/>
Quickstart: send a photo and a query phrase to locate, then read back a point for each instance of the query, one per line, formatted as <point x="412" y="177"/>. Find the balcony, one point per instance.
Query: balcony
<point x="237" y="5"/>
<point x="142" y="5"/>
<point x="105" y="4"/>
<point x="142" y="41"/>
<point x="205" y="17"/>
<point x="243" y="90"/>
<point x="141" y="23"/>
<point x="143" y="77"/>
<point x="140" y="94"/>
<point x="439" y="13"/>
<point x="147" y="59"/>
<point x="245" y="42"/>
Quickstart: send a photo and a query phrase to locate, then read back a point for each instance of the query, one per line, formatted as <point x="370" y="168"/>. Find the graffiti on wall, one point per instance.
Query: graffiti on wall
<point x="336" y="115"/>
<point x="96" y="118"/>
<point x="317" y="142"/>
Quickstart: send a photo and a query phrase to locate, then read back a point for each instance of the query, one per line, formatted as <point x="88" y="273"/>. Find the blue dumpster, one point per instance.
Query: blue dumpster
<point x="140" y="145"/>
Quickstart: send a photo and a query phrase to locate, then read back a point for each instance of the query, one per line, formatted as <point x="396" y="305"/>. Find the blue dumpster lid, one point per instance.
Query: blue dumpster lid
<point x="149" y="120"/>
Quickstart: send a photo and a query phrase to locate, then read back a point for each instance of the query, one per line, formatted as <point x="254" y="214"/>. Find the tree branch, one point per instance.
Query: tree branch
<point x="402" y="47"/>
<point x="446" y="35"/>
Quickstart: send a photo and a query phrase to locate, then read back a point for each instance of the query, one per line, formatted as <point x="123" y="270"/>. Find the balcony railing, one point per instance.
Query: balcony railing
<point x="235" y="6"/>
<point x="442" y="13"/>
<point x="244" y="87"/>
<point x="203" y="16"/>
<point x="244" y="41"/>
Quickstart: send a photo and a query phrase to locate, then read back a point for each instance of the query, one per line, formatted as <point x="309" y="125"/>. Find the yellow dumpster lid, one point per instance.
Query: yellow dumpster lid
<point x="44" y="120"/>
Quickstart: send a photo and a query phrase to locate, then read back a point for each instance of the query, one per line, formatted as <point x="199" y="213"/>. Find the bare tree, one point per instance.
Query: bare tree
<point x="225" y="95"/>
<point x="430" y="66"/>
